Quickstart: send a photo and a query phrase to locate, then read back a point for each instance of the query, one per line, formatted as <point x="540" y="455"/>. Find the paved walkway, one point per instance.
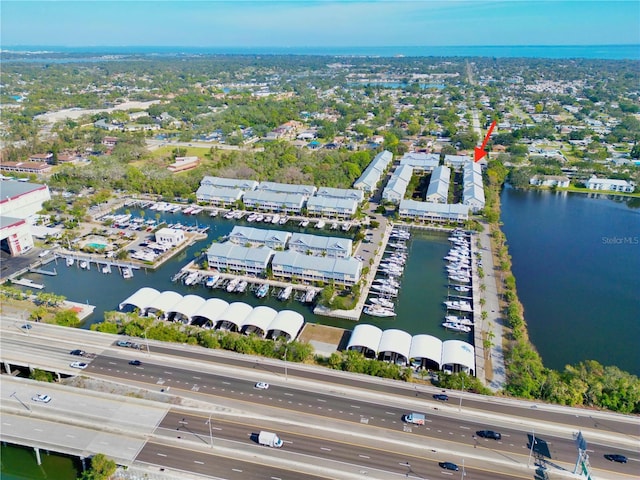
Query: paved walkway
<point x="496" y="378"/>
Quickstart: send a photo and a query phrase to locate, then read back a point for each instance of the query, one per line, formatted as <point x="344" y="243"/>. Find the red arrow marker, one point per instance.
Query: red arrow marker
<point x="479" y="152"/>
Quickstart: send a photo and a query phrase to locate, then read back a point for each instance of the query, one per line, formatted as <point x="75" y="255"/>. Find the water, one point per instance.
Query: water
<point x="419" y="307"/>
<point x="19" y="463"/>
<point x="576" y="261"/>
<point x="610" y="52"/>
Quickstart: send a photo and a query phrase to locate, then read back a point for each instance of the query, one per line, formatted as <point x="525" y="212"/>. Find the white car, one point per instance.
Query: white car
<point x="261" y="386"/>
<point x="39" y="397"/>
<point x="80" y="365"/>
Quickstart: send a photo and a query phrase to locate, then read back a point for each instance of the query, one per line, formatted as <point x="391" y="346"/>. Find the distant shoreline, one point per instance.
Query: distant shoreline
<point x="591" y="52"/>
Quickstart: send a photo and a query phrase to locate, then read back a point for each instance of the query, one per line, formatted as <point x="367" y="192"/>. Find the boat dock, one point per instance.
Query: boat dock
<point x="25" y="282"/>
<point x="51" y="273"/>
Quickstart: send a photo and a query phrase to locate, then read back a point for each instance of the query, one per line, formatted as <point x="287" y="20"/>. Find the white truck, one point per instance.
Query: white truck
<point x="269" y="439"/>
<point x="415" y="418"/>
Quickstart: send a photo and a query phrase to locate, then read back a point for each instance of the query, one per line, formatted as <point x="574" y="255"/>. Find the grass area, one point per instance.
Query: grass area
<point x="167" y="151"/>
<point x="573" y="188"/>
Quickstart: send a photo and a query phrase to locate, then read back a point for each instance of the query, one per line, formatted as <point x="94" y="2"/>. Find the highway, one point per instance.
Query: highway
<point x="348" y="422"/>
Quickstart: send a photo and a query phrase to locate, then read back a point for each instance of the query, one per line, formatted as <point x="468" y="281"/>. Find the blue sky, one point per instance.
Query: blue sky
<point x="300" y="23"/>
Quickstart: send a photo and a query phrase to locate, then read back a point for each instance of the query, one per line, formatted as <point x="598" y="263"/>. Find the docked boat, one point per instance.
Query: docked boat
<point x="456" y="327"/>
<point x="229" y="215"/>
<point x="262" y="291"/>
<point x="460" y="320"/>
<point x="285" y="293"/>
<point x="233" y="283"/>
<point x="191" y="279"/>
<point x="459" y="278"/>
<point x="267" y="219"/>
<point x="385" y="289"/>
<point x="127" y="272"/>
<point x="334" y="226"/>
<point x="379" y="311"/>
<point x="321" y="224"/>
<point x="259" y="217"/>
<point x="84" y="264"/>
<point x="213" y="213"/>
<point x="69" y="261"/>
<point x="252" y="217"/>
<point x="346" y="226"/>
<point x="383" y="302"/>
<point x="458" y="305"/>
<point x="275" y="219"/>
<point x="304" y="223"/>
<point x="211" y="281"/>
<point x="106" y="268"/>
<point x="242" y="286"/>
<point x="310" y="295"/>
<point x="283" y="220"/>
<point x="462" y="288"/>
<point x="188" y="210"/>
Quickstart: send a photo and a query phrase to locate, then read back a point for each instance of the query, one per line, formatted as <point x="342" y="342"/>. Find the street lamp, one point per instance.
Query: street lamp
<point x="460" y="406"/>
<point x="533" y="441"/>
<point x="146" y="340"/>
<point x="210" y="432"/>
<point x="285" y="363"/>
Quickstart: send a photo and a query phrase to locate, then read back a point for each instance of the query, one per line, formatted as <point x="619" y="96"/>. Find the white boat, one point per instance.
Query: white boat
<point x="69" y="261"/>
<point x="262" y="291"/>
<point x="462" y="288"/>
<point x="229" y="215"/>
<point x="242" y="286"/>
<point x="127" y="272"/>
<point x="275" y="219"/>
<point x="231" y="286"/>
<point x="379" y="311"/>
<point x="304" y="223"/>
<point x="459" y="279"/>
<point x="267" y="219"/>
<point x="213" y="213"/>
<point x="252" y="217"/>
<point x="285" y="293"/>
<point x="196" y="210"/>
<point x="383" y="302"/>
<point x="456" y="327"/>
<point x="84" y="264"/>
<point x="385" y="289"/>
<point x="259" y="217"/>
<point x="211" y="281"/>
<point x="334" y="226"/>
<point x="458" y="305"/>
<point x="456" y="319"/>
<point x="106" y="268"/>
<point x="284" y="219"/>
<point x="188" y="210"/>
<point x="321" y="224"/>
<point x="191" y="279"/>
<point x="310" y="295"/>
<point x="346" y="226"/>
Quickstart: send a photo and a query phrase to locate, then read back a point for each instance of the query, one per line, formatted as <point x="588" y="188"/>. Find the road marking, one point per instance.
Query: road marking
<point x="168" y="373"/>
<point x="112" y="363"/>
<point x="364" y="456"/>
<point x="226" y="383"/>
<point x="320" y="400"/>
<point x="355" y="406"/>
<point x="326" y="449"/>
<point x="216" y="428"/>
<point x="197" y="378"/>
<point x="289" y="394"/>
<point x="161" y="454"/>
<point x="236" y="470"/>
<point x="390" y="413"/>
<point x="276" y="478"/>
<point x="38" y="430"/>
<point x="465" y="428"/>
<point x="199" y="462"/>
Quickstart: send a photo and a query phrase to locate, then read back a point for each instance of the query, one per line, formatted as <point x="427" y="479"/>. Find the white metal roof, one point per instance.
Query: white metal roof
<point x="288" y="200"/>
<point x="236" y="313"/>
<point x="188" y="305"/>
<point x="141" y="299"/>
<point x="396" y="341"/>
<point x="305" y="190"/>
<point x="241" y="235"/>
<point x="365" y="335"/>
<point x="229" y="182"/>
<point x="341" y="267"/>
<point x="212" y="309"/>
<point x="340" y="193"/>
<point x="339" y="204"/>
<point x="289" y="322"/>
<point x="426" y="346"/>
<point x="165" y="301"/>
<point x="458" y="352"/>
<point x="261" y="317"/>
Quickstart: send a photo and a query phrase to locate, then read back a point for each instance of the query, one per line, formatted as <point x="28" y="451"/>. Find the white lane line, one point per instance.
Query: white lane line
<point x="161" y="454"/>
<point x="465" y="428"/>
<point x="236" y="470"/>
<point x="320" y="400"/>
<point x="289" y="394"/>
<point x="364" y="456"/>
<point x="355" y="406"/>
<point x="326" y="449"/>
<point x="199" y="462"/>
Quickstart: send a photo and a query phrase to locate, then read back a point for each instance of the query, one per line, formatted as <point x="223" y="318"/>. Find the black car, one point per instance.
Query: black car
<point x="614" y="457"/>
<point x="449" y="466"/>
<point x="441" y="396"/>
<point x="78" y="353"/>
<point x="489" y="434"/>
<point x="135" y="362"/>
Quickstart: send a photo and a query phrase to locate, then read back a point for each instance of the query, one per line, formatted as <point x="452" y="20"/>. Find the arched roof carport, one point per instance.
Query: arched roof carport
<point x="185" y="308"/>
<point x="426" y="349"/>
<point x="210" y="311"/>
<point x="141" y="299"/>
<point x="365" y="338"/>
<point x="233" y="316"/>
<point x="258" y="320"/>
<point x="287" y="323"/>
<point x="164" y="302"/>
<point x="458" y="356"/>
<point x="395" y="346"/>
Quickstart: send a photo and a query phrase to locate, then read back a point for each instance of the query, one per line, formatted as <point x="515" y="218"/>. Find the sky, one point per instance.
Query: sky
<point x="313" y="23"/>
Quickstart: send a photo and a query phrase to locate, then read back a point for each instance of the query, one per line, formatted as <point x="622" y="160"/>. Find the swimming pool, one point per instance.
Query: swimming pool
<point x="97" y="246"/>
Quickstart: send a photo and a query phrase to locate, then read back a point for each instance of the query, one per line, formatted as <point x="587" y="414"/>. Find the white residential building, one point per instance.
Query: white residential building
<point x="433" y="212"/>
<point x="549" y="181"/>
<point x="334" y="247"/>
<point x="369" y="179"/>
<point x="236" y="258"/>
<point x="170" y="236"/>
<point x="249" y="236"/>
<point x="438" y="191"/>
<point x="421" y="162"/>
<point x="610" y="184"/>
<point x="397" y="185"/>
<point x="332" y="207"/>
<point x="290" y="264"/>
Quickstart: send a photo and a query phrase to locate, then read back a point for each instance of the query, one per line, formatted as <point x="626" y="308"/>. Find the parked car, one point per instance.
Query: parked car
<point x="80" y="365"/>
<point x="489" y="434"/>
<point x="614" y="457"/>
<point x="261" y="386"/>
<point x="135" y="362"/>
<point x="78" y="353"/>
<point x="449" y="466"/>
<point x="441" y="396"/>
<point x="123" y="343"/>
<point x="26" y="326"/>
<point x="39" y="397"/>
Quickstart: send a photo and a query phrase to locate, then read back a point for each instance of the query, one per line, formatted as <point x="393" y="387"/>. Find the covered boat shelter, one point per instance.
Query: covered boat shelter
<point x="209" y="312"/>
<point x="287" y="324"/>
<point x="258" y="321"/>
<point x="395" y="346"/>
<point x="185" y="309"/>
<point x="365" y="339"/>
<point x="458" y="356"/>
<point x="233" y="317"/>
<point x="426" y="352"/>
<point x="140" y="300"/>
<point x="163" y="303"/>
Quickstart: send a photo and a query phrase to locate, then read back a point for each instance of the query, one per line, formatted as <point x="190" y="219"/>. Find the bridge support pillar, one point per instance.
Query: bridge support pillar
<point x="7" y="367"/>
<point x="38" y="459"/>
<point x="58" y="376"/>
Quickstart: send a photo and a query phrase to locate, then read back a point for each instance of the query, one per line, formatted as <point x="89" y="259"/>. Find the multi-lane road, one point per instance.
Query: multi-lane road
<point x="334" y="425"/>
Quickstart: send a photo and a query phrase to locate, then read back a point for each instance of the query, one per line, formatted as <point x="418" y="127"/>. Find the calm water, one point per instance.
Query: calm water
<point x="576" y="261"/>
<point x="612" y="52"/>
<point x="19" y="463"/>
<point x="419" y="306"/>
